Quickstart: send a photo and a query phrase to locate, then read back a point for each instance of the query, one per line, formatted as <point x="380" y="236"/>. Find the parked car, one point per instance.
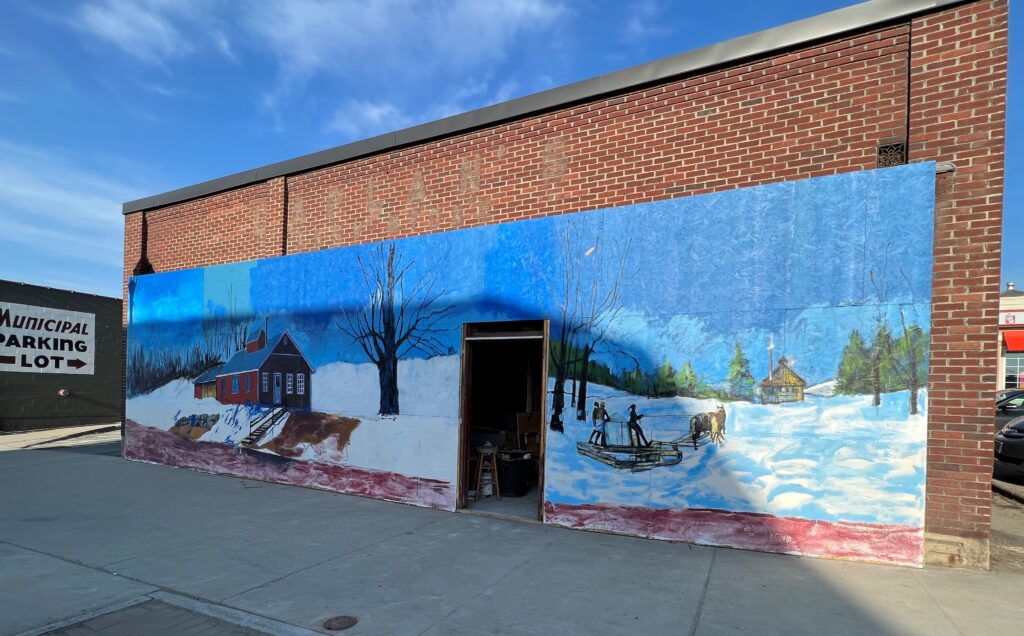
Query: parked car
<point x="1006" y="394"/>
<point x="1010" y="442"/>
<point x="1009" y="408"/>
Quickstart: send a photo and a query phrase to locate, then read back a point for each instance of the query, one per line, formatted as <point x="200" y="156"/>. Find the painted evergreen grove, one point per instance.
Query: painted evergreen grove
<point x="884" y="365"/>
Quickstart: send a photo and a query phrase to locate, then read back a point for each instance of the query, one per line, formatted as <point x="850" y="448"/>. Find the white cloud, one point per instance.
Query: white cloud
<point x="357" y="119"/>
<point x="403" y="40"/>
<point x="349" y="36"/>
<point x="155" y="31"/>
<point x="360" y="119"/>
<point x="402" y="44"/>
<point x="53" y="210"/>
<point x="160" y="89"/>
<point x="41" y="182"/>
<point x="310" y="36"/>
<point x="644" y="22"/>
<point x="220" y="41"/>
<point x="141" y="30"/>
<point x="506" y="91"/>
<point x="50" y="237"/>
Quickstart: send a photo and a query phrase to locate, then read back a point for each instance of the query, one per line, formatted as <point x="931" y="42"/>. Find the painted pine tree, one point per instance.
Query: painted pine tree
<point x="686" y="380"/>
<point x="909" y="363"/>
<point x="854" y="374"/>
<point x="881" y="352"/>
<point x="665" y="380"/>
<point x="741" y="381"/>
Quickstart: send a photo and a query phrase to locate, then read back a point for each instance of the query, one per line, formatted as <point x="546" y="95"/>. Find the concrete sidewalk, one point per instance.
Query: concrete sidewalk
<point x="89" y="434"/>
<point x="91" y="537"/>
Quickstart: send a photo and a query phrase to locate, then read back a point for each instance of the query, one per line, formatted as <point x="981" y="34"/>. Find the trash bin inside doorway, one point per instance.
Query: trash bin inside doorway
<point x="514" y="475"/>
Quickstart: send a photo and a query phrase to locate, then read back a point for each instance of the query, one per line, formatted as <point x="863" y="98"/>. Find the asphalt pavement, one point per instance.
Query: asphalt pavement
<point x="91" y="543"/>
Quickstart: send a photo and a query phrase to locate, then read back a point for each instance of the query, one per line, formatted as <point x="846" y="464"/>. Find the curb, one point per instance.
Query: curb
<point x="84" y="616"/>
<point x="1008" y="490"/>
<point x="221" y="612"/>
<point x="234" y="616"/>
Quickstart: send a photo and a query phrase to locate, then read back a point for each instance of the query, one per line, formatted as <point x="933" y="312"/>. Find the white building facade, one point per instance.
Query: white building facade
<point x="1011" y="337"/>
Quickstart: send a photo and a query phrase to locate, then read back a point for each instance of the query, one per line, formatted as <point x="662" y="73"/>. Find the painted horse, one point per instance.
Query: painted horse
<point x="718" y="425"/>
<point x="710" y="422"/>
<point x="699" y="424"/>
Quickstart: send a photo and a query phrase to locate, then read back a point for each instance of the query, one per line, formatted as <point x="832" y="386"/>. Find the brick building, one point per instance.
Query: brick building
<point x="60" y="358"/>
<point x="877" y="84"/>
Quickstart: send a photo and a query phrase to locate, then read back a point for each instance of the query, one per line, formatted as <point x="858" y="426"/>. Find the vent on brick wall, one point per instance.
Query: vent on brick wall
<point x="892" y="155"/>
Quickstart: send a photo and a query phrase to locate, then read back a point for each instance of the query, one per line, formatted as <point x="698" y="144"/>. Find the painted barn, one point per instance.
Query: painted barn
<point x="206" y="384"/>
<point x="782" y="385"/>
<point x="271" y="372"/>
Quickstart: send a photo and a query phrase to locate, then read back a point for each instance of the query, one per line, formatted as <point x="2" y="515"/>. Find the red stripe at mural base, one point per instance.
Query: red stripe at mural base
<point x="880" y="543"/>
<point x="144" y="443"/>
<point x="871" y="542"/>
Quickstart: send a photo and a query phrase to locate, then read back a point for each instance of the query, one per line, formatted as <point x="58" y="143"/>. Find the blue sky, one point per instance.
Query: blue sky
<point x="104" y="101"/>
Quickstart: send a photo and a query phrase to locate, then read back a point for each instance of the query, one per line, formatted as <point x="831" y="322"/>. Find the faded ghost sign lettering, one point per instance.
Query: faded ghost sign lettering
<point x="45" y="340"/>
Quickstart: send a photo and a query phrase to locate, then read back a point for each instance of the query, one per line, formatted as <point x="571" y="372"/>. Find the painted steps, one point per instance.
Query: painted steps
<point x="263" y="425"/>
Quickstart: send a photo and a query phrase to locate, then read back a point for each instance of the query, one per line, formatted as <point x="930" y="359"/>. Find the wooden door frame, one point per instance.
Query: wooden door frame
<point x="543" y="419"/>
<point x="463" y="455"/>
<point x="464" y="389"/>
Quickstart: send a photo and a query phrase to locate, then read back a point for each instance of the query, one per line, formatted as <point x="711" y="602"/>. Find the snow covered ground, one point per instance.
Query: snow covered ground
<point x="426" y="388"/>
<point x="421" y="442"/>
<point x="828" y="458"/>
<point x="163" y="407"/>
<point x="825" y="389"/>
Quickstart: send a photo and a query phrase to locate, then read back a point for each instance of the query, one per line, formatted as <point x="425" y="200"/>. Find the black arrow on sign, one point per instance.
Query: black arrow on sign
<point x="76" y="363"/>
<point x="6" y="359"/>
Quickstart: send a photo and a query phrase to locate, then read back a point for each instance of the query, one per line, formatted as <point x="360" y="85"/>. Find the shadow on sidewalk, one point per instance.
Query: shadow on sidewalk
<point x="112" y="449"/>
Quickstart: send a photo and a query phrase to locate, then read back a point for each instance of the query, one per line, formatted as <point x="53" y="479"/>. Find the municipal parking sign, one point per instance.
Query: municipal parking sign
<point x="45" y="340"/>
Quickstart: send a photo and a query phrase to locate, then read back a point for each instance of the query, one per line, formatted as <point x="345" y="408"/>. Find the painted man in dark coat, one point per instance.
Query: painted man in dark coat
<point x="598" y="436"/>
<point x="634" y="426"/>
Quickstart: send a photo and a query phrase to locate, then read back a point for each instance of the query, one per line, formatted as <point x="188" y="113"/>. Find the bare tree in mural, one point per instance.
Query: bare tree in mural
<point x="397" y="320"/>
<point x="238" y="326"/>
<point x="587" y="306"/>
<point x="228" y="334"/>
<point x="881" y="344"/>
<point x="601" y="306"/>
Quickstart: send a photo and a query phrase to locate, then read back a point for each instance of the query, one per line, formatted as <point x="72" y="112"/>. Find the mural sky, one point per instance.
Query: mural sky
<point x="803" y="262"/>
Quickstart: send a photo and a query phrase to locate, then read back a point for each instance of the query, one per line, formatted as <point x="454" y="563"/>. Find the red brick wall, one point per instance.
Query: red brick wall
<point x="821" y="109"/>
<point x="229" y="227"/>
<point x="957" y="114"/>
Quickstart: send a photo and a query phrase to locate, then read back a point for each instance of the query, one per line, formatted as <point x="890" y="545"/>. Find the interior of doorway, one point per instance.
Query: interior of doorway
<point x="503" y="403"/>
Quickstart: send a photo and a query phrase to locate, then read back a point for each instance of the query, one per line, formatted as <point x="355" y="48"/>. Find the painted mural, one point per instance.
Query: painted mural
<point x="745" y="368"/>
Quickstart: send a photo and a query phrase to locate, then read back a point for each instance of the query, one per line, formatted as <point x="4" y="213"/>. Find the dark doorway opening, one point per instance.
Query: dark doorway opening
<point x="502" y="418"/>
